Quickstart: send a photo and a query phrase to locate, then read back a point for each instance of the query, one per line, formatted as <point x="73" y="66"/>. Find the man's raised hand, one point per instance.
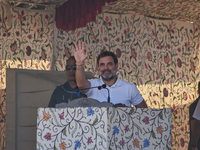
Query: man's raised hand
<point x="80" y="53"/>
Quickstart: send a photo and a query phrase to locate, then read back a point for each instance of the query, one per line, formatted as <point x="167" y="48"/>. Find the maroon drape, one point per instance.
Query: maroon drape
<point x="77" y="13"/>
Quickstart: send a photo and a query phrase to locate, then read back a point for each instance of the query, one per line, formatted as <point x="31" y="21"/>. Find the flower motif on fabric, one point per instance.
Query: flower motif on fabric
<point x="89" y="140"/>
<point x="140" y="80"/>
<point x="149" y="56"/>
<point x="179" y="49"/>
<point x="28" y="50"/>
<point x="146" y="143"/>
<point x="159" y="129"/>
<point x="126" y="128"/>
<point x="179" y="62"/>
<point x="146" y="120"/>
<point x="127" y="64"/>
<point x="13" y="46"/>
<point x="115" y="130"/>
<point x="133" y="53"/>
<point x="170" y="30"/>
<point x="182" y="142"/>
<point x="122" y="143"/>
<point x="46" y="116"/>
<point x="29" y="36"/>
<point x="43" y="54"/>
<point x="77" y="144"/>
<point x="165" y="92"/>
<point x="17" y="33"/>
<point x="174" y="110"/>
<point x="117" y="39"/>
<point x="61" y="116"/>
<point x="193" y="68"/>
<point x="62" y="146"/>
<point x="118" y="52"/>
<point x="48" y="136"/>
<point x="105" y="39"/>
<point x="136" y="143"/>
<point x="185" y="97"/>
<point x="107" y="21"/>
<point x="166" y="58"/>
<point x="90" y="112"/>
<point x="47" y="16"/>
<point x="151" y="22"/>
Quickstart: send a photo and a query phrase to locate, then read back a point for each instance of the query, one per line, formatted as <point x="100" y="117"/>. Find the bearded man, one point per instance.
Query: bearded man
<point x="121" y="92"/>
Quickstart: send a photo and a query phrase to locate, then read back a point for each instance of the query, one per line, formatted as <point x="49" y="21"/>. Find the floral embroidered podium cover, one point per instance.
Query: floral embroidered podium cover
<point x="95" y="128"/>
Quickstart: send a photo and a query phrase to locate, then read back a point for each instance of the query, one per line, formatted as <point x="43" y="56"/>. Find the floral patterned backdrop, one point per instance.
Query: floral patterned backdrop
<point x="160" y="56"/>
<point x="26" y="42"/>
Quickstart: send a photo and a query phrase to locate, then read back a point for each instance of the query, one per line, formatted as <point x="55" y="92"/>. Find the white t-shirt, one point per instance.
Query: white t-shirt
<point x="120" y="92"/>
<point x="196" y="113"/>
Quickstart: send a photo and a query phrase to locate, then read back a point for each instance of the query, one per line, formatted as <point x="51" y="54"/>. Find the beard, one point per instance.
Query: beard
<point x="109" y="76"/>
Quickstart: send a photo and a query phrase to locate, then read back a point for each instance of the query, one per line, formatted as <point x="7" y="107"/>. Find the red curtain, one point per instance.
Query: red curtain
<point x="77" y="13"/>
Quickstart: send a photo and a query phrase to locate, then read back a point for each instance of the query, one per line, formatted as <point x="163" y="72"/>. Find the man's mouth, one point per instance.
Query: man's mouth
<point x="106" y="71"/>
<point x="71" y="75"/>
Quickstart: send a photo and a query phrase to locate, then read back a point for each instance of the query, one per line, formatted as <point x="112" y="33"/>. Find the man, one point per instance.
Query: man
<point x="195" y="123"/>
<point x="69" y="90"/>
<point x="121" y="92"/>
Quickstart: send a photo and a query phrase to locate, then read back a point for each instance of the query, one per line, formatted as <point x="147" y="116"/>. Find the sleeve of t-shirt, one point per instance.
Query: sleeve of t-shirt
<point x="92" y="82"/>
<point x="136" y="97"/>
<point x="196" y="114"/>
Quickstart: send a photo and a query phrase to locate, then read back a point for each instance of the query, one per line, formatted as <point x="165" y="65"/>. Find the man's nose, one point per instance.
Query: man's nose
<point x="71" y="69"/>
<point x="105" y="67"/>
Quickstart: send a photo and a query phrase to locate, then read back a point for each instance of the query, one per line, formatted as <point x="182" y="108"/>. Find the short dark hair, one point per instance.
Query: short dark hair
<point x="107" y="53"/>
<point x="71" y="57"/>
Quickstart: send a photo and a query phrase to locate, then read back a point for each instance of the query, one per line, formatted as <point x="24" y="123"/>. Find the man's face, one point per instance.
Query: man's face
<point x="70" y="69"/>
<point x="107" y="68"/>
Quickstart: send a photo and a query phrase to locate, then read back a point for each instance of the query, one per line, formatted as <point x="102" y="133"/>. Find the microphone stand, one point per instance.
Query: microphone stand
<point x="99" y="87"/>
<point x="104" y="86"/>
<point x="108" y="95"/>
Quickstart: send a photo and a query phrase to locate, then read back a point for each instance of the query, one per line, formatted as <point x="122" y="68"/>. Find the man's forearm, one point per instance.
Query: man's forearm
<point x="81" y="81"/>
<point x="80" y="76"/>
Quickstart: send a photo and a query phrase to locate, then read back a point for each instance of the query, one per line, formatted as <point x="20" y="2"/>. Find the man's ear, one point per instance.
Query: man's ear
<point x="117" y="66"/>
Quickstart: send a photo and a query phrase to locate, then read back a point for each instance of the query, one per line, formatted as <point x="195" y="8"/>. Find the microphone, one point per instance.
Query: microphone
<point x="99" y="88"/>
<point x="104" y="86"/>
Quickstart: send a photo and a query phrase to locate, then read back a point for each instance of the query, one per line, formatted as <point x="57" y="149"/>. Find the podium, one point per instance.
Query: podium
<point x="103" y="128"/>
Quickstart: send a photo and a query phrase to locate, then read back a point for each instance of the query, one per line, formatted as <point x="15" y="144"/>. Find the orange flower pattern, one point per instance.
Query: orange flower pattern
<point x="46" y="116"/>
<point x="136" y="143"/>
<point x="62" y="146"/>
<point x="159" y="129"/>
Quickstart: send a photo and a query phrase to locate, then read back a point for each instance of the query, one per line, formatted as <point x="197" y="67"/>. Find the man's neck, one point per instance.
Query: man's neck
<point x="110" y="82"/>
<point x="72" y="83"/>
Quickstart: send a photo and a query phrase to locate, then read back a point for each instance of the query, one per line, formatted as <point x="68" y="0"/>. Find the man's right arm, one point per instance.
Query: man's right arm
<point x="81" y="81"/>
<point x="80" y="55"/>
